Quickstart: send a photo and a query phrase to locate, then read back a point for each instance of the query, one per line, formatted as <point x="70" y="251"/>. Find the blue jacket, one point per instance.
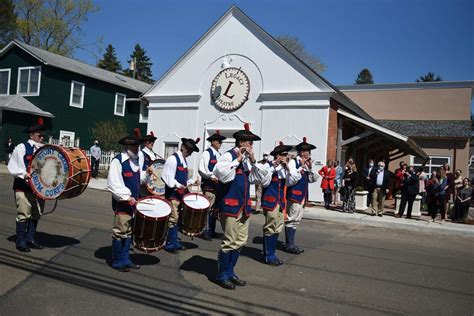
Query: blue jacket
<point x="181" y="176"/>
<point x="20" y="185"/>
<point x="298" y="192"/>
<point x="207" y="184"/>
<point x="274" y="193"/>
<point x="131" y="180"/>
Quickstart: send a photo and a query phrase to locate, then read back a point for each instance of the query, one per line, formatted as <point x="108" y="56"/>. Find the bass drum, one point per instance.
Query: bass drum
<point x="59" y="172"/>
<point x="153" y="182"/>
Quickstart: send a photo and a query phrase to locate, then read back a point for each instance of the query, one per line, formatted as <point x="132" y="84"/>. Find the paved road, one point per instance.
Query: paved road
<point x="345" y="270"/>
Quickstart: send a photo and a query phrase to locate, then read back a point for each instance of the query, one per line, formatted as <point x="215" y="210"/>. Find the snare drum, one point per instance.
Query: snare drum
<point x="151" y="223"/>
<point x="193" y="218"/>
<point x="59" y="172"/>
<point x="153" y="182"/>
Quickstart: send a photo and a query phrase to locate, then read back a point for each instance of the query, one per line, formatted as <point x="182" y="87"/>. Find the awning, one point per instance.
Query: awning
<point x="396" y="140"/>
<point x="17" y="103"/>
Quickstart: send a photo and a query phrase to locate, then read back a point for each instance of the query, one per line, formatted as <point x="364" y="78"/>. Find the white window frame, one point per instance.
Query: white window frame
<point x="71" y="135"/>
<point x="9" y="79"/>
<point x="124" y="104"/>
<point x="141" y="118"/>
<point x="29" y="94"/>
<point x="83" y="93"/>
<point x="430" y="166"/>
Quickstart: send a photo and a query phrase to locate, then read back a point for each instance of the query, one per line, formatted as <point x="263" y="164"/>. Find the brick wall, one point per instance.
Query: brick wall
<point x="332" y="130"/>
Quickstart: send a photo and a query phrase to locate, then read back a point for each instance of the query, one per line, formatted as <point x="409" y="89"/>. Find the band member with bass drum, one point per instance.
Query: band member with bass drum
<point x="124" y="179"/>
<point x="209" y="182"/>
<point x="300" y="175"/>
<point x="274" y="201"/>
<point x="29" y="207"/>
<point x="175" y="177"/>
<point x="236" y="170"/>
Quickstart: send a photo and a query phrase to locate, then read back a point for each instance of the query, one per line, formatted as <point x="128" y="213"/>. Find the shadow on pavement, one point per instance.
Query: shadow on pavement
<point x="51" y="241"/>
<point x="105" y="253"/>
<point x="253" y="253"/>
<point x="201" y="265"/>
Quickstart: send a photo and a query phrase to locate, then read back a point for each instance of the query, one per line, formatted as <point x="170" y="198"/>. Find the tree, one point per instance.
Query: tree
<point x="429" y="77"/>
<point x="7" y="22"/>
<point x="141" y="69"/>
<point x="109" y="61"/>
<point x="109" y="133"/>
<point x="53" y="25"/>
<point x="364" y="77"/>
<point x="294" y="45"/>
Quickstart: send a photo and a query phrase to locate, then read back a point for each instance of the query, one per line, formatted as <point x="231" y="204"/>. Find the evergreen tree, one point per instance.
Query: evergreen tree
<point x="364" y="77"/>
<point x="429" y="77"/>
<point x="7" y="22"/>
<point x="109" y="61"/>
<point x="142" y="65"/>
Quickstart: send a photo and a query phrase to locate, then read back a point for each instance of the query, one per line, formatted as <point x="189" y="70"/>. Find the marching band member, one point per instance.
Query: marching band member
<point x="274" y="201"/>
<point x="299" y="177"/>
<point x="125" y="175"/>
<point x="209" y="181"/>
<point x="29" y="207"/>
<point x="149" y="156"/>
<point x="175" y="177"/>
<point x="236" y="170"/>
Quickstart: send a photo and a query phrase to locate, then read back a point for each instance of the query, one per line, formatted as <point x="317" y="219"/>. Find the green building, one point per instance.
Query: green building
<point x="69" y="95"/>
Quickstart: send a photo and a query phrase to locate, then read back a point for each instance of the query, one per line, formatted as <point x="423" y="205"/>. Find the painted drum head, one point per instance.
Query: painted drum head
<point x="153" y="181"/>
<point x="153" y="207"/>
<point x="196" y="201"/>
<point x="49" y="171"/>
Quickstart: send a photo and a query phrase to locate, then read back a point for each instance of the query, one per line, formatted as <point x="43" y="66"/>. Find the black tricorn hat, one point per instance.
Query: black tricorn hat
<point x="304" y="146"/>
<point x="245" y="134"/>
<point x="37" y="127"/>
<point x="280" y="149"/>
<point x="216" y="136"/>
<point x="136" y="139"/>
<point x="150" y="137"/>
<point x="191" y="144"/>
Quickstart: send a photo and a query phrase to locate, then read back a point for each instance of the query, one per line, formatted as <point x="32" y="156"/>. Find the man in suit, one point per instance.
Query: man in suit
<point x="368" y="181"/>
<point x="379" y="183"/>
<point x="409" y="191"/>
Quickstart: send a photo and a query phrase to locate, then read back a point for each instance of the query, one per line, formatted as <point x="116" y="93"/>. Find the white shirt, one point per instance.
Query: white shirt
<point x="115" y="183"/>
<point x="267" y="177"/>
<point x="95" y="151"/>
<point x="226" y="167"/>
<point x="294" y="175"/>
<point x="150" y="153"/>
<point x="204" y="163"/>
<point x="380" y="178"/>
<point x="16" y="165"/>
<point x="169" y="171"/>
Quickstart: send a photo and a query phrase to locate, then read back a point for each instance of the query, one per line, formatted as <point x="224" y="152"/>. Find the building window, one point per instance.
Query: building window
<point x="5" y="81"/>
<point x="29" y="80"/>
<point x="143" y="113"/>
<point x="77" y="94"/>
<point x="120" y="100"/>
<point x="170" y="148"/>
<point x="66" y="138"/>
<point x="433" y="164"/>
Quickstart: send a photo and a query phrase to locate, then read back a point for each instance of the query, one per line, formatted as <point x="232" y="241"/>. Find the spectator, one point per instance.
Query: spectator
<point x="442" y="192"/>
<point x="328" y="173"/>
<point x="379" y="184"/>
<point x="95" y="158"/>
<point x="446" y="173"/>
<point x="462" y="201"/>
<point x="348" y="188"/>
<point x="409" y="191"/>
<point x="259" y="187"/>
<point x="366" y="173"/>
<point x="399" y="176"/>
<point x="432" y="190"/>
<point x="422" y="184"/>
<point x="337" y="182"/>
<point x="9" y="146"/>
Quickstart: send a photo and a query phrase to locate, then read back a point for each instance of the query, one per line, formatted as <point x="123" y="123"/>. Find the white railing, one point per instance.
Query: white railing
<point x="105" y="158"/>
<point x="66" y="142"/>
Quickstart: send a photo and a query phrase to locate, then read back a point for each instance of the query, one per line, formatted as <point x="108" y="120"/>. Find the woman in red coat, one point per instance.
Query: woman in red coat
<point x="328" y="173"/>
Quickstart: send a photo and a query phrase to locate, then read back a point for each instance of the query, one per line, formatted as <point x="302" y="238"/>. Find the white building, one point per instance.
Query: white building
<point x="253" y="79"/>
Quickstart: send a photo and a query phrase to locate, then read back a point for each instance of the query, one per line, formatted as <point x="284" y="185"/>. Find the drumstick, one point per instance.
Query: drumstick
<point x="147" y="203"/>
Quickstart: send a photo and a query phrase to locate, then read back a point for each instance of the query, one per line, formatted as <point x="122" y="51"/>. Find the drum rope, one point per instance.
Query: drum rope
<point x="54" y="208"/>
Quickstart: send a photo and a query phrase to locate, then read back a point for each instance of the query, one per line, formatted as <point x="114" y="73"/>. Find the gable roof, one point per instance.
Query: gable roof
<point x="78" y="67"/>
<point x="419" y="128"/>
<point x="17" y="103"/>
<point x="273" y="44"/>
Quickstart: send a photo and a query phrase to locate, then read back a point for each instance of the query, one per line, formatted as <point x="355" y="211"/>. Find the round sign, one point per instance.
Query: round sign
<point x="230" y="89"/>
<point x="49" y="172"/>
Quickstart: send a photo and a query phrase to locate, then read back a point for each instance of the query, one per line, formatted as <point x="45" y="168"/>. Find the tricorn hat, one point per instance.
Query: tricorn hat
<point x="280" y="149"/>
<point x="304" y="146"/>
<point x="191" y="144"/>
<point x="37" y="127"/>
<point x="136" y="139"/>
<point x="216" y="136"/>
<point x="245" y="134"/>
<point x="150" y="137"/>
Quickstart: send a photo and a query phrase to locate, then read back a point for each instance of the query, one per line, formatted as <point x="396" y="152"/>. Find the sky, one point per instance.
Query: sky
<point x="397" y="40"/>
